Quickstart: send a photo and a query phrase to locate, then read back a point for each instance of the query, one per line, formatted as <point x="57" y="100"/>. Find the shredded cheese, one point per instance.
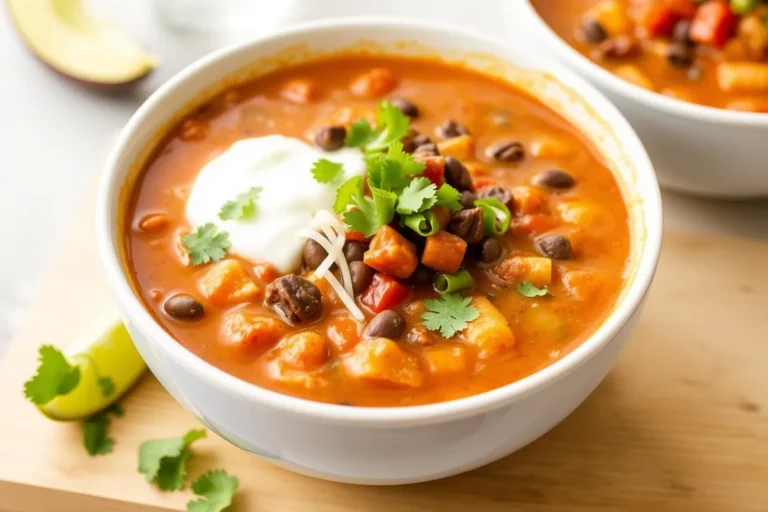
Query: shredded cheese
<point x="332" y="240"/>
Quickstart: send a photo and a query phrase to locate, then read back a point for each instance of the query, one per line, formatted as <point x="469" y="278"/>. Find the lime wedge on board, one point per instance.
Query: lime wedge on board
<point x="106" y="351"/>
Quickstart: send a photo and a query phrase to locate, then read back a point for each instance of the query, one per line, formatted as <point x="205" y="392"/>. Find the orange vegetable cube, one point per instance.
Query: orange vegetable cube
<point x="532" y="224"/>
<point x="391" y="253"/>
<point x="585" y="214"/>
<point x="265" y="272"/>
<point x="516" y="269"/>
<point x="330" y="300"/>
<point x="581" y="284"/>
<point x="306" y="350"/>
<point x="461" y="147"/>
<point x="528" y="200"/>
<point x="444" y="360"/>
<point x="443" y="215"/>
<point x="374" y="83"/>
<point x="248" y="330"/>
<point x="444" y="252"/>
<point x="228" y="283"/>
<point x="299" y="91"/>
<point x="382" y="362"/>
<point x="550" y="147"/>
<point x="489" y="332"/>
<point x="343" y="332"/>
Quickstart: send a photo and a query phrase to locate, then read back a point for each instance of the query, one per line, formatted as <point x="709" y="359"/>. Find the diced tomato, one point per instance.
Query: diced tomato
<point x="713" y="23"/>
<point x="435" y="169"/>
<point x="355" y="236"/>
<point x="482" y="182"/>
<point x="661" y="20"/>
<point x="384" y="293"/>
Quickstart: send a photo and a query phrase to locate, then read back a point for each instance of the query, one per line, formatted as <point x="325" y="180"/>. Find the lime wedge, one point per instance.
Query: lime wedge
<point x="107" y="353"/>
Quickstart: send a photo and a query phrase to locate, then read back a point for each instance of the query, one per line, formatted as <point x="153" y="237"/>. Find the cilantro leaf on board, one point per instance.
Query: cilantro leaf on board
<point x="216" y="488"/>
<point x="527" y="289"/>
<point x="55" y="377"/>
<point x="242" y="207"/>
<point x="163" y="461"/>
<point x="449" y="197"/>
<point x="449" y="314"/>
<point x="419" y="195"/>
<point x="360" y="134"/>
<point x="206" y="244"/>
<point x="325" y="171"/>
<point x="95" y="437"/>
<point x="107" y="386"/>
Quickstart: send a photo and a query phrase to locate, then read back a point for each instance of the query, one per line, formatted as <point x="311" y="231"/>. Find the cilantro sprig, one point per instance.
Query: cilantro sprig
<point x="164" y="461"/>
<point x="216" y="489"/>
<point x="206" y="244"/>
<point x="449" y="314"/>
<point x="242" y="207"/>
<point x="391" y="125"/>
<point x="528" y="289"/>
<point x="95" y="437"/>
<point x="55" y="376"/>
<point x="325" y="171"/>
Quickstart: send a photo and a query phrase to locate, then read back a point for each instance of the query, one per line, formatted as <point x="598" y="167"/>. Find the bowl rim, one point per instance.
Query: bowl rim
<point x="135" y="311"/>
<point x="635" y="93"/>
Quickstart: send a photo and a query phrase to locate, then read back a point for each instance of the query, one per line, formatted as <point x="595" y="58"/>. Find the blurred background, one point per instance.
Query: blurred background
<point x="56" y="133"/>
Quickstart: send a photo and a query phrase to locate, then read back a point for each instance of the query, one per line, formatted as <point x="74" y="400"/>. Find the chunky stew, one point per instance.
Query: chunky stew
<point x="711" y="52"/>
<point x="469" y="235"/>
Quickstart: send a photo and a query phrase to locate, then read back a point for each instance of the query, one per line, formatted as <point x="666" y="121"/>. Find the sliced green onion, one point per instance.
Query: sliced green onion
<point x="425" y="223"/>
<point x="450" y="283"/>
<point x="496" y="216"/>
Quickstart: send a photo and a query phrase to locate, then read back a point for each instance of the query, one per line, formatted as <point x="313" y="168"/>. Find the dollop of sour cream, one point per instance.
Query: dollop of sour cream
<point x="289" y="199"/>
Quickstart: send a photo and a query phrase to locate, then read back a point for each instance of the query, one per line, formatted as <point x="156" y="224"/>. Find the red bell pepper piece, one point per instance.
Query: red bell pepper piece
<point x="713" y="24"/>
<point x="435" y="169"/>
<point x="661" y="20"/>
<point x="384" y="293"/>
<point x="355" y="236"/>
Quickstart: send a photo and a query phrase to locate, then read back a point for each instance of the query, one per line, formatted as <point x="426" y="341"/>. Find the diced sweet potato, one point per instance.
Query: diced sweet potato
<point x="391" y="253"/>
<point x="420" y="335"/>
<point x="444" y="360"/>
<point x="551" y="147"/>
<point x="581" y="284"/>
<point x="343" y="332"/>
<point x="489" y="332"/>
<point x="516" y="269"/>
<point x="331" y="301"/>
<point x="444" y="252"/>
<point x="528" y="200"/>
<point x="612" y="16"/>
<point x="443" y="215"/>
<point x="248" y="330"/>
<point x="381" y="362"/>
<point x="374" y="83"/>
<point x="306" y="350"/>
<point x="588" y="215"/>
<point x="532" y="224"/>
<point x="461" y="147"/>
<point x="265" y="272"/>
<point x="228" y="283"/>
<point x="299" y="91"/>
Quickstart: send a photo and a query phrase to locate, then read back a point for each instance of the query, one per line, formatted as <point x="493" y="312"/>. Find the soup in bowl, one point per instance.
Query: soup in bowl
<point x="385" y="259"/>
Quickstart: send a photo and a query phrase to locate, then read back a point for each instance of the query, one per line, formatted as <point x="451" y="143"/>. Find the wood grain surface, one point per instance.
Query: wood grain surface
<point x="681" y="423"/>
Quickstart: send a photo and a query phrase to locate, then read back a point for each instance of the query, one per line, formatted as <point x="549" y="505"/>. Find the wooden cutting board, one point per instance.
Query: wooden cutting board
<point x="681" y="424"/>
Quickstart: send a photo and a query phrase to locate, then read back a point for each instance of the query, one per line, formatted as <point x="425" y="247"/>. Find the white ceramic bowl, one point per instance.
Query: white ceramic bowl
<point x="385" y="445"/>
<point x="695" y="149"/>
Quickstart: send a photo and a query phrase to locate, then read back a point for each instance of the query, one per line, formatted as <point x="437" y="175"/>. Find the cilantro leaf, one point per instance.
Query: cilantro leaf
<point x="325" y="171"/>
<point x="449" y="196"/>
<point x="216" y="488"/>
<point x="242" y="207"/>
<point x="163" y="461"/>
<point x="419" y="195"/>
<point x="448" y="314"/>
<point x="349" y="189"/>
<point x="527" y="289"/>
<point x="95" y="436"/>
<point x="393" y="170"/>
<point x="54" y="377"/>
<point x="392" y="126"/>
<point x="361" y="213"/>
<point x="206" y="244"/>
<point x="107" y="386"/>
<point x="360" y="134"/>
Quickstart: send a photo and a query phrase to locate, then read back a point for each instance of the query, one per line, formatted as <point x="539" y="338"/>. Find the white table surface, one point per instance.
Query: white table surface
<point x="54" y="134"/>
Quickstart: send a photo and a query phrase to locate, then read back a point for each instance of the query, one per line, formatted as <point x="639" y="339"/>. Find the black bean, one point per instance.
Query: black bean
<point x="429" y="149"/>
<point x="510" y="151"/>
<point x="411" y="142"/>
<point x="406" y="106"/>
<point x="554" y="178"/>
<point x="593" y="32"/>
<point x="450" y="129"/>
<point x="457" y="175"/>
<point x="183" y="307"/>
<point x="680" y="55"/>
<point x="362" y="275"/>
<point x="468" y="199"/>
<point x="468" y="225"/>
<point x="387" y="324"/>
<point x="682" y="33"/>
<point x="296" y="298"/>
<point x="490" y="250"/>
<point x="314" y="254"/>
<point x="619" y="47"/>
<point x="555" y="246"/>
<point x="501" y="193"/>
<point x="354" y="251"/>
<point x="331" y="138"/>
